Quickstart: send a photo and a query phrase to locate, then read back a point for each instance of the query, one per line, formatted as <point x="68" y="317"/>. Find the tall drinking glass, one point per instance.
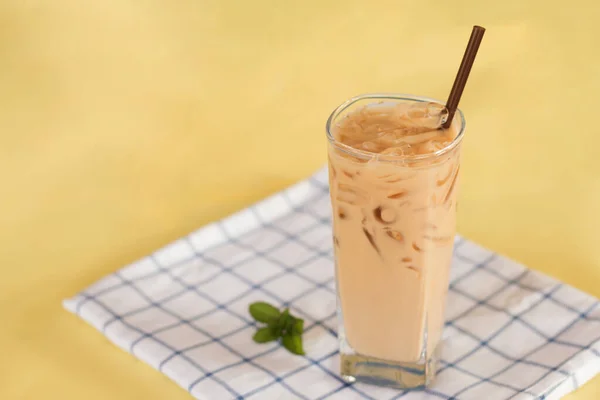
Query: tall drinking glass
<point x="394" y="222"/>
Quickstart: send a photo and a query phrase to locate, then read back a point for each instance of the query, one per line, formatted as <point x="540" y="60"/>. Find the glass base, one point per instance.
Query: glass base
<point x="375" y="371"/>
<point x="356" y="367"/>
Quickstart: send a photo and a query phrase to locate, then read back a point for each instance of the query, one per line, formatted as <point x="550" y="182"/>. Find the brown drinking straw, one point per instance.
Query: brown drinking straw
<point x="463" y="73"/>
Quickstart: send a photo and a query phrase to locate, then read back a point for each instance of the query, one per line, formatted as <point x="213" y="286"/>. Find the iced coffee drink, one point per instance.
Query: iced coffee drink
<point x="394" y="175"/>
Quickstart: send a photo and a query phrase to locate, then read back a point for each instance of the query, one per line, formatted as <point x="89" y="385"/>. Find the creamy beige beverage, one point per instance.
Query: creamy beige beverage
<point x="393" y="182"/>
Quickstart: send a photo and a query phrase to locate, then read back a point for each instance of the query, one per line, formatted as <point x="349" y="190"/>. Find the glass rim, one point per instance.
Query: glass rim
<point x="363" y="154"/>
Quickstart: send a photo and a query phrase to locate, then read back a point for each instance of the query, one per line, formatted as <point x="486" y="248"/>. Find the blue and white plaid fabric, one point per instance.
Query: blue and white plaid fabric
<point x="511" y="333"/>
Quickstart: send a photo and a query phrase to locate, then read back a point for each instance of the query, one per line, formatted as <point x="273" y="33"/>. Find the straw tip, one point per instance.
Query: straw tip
<point x="478" y="28"/>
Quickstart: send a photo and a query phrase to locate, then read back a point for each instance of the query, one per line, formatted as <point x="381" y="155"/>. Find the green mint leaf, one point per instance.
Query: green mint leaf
<point x="298" y="326"/>
<point x="279" y="325"/>
<point x="264" y="335"/>
<point x="293" y="343"/>
<point x="273" y="323"/>
<point x="285" y="321"/>
<point x="289" y="325"/>
<point x="263" y="312"/>
<point x="276" y="326"/>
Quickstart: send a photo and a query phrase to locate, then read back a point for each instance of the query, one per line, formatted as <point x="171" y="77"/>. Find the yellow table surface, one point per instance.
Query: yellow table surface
<point x="125" y="124"/>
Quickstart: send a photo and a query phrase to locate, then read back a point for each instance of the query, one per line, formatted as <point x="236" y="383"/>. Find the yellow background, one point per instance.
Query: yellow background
<point x="125" y="124"/>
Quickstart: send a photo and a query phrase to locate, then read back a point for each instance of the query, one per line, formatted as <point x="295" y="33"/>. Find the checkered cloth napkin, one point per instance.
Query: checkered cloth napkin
<point x="511" y="333"/>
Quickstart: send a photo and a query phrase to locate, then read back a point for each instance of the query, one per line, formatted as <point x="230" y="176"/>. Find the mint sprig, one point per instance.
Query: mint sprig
<point x="280" y="325"/>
